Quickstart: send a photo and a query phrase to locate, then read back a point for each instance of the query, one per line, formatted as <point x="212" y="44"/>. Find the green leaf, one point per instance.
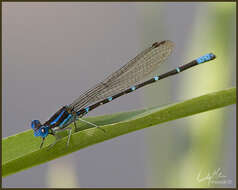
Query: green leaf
<point x="22" y="151"/>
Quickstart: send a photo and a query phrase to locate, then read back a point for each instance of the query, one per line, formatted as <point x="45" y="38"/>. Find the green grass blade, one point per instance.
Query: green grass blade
<point x="22" y="151"/>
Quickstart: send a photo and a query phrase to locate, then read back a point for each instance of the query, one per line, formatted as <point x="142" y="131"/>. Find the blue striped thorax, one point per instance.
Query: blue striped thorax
<point x="59" y="120"/>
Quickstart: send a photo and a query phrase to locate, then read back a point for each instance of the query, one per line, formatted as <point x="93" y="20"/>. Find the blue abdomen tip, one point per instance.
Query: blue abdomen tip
<point x="205" y="58"/>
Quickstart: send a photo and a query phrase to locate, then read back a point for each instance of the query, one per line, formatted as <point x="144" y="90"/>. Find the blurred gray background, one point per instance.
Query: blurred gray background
<point x="53" y="52"/>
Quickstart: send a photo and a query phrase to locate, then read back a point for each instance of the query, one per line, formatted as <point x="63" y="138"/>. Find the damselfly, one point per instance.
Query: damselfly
<point x="123" y="81"/>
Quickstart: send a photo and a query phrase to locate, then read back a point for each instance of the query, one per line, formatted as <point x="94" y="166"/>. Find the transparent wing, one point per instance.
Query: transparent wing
<point x="130" y="74"/>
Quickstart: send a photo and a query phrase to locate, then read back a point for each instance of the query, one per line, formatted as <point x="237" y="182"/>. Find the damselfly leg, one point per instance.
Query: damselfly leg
<point x="57" y="137"/>
<point x="92" y="124"/>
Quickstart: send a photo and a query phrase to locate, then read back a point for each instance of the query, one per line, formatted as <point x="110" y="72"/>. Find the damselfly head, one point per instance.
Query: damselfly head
<point x="39" y="130"/>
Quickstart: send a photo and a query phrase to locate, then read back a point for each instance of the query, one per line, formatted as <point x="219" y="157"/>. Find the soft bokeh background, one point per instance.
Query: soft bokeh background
<point x="52" y="52"/>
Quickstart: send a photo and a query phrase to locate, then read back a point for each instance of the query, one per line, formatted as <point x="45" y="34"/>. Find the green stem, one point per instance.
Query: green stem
<point x="22" y="151"/>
